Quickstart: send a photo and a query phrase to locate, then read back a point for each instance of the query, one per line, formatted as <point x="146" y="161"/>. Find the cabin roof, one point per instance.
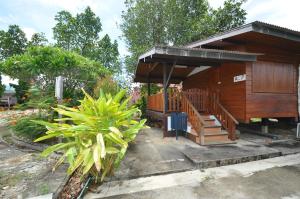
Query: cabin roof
<point x="184" y="60"/>
<point x="255" y="31"/>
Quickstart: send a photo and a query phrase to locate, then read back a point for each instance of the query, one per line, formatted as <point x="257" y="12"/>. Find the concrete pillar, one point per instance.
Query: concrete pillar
<point x="264" y="125"/>
<point x="298" y="92"/>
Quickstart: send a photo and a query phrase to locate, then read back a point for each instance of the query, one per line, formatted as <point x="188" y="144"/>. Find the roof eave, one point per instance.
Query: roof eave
<point x="256" y="26"/>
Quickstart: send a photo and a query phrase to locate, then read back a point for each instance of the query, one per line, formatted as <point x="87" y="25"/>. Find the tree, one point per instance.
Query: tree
<point x="38" y="39"/>
<point x="64" y="30"/>
<point x="174" y="22"/>
<point x="12" y="42"/>
<point x="42" y="64"/>
<point x="80" y="33"/>
<point x="230" y="16"/>
<point x="106" y="52"/>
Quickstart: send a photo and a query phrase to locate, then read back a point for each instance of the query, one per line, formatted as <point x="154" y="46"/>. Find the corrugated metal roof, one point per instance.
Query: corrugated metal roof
<point x="256" y="26"/>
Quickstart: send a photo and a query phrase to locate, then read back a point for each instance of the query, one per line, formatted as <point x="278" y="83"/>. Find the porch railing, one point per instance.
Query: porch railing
<point x="194" y="116"/>
<point x="156" y="102"/>
<point x="199" y="98"/>
<point x="192" y="102"/>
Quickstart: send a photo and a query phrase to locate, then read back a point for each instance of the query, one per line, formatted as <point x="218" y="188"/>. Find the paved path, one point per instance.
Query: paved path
<point x="270" y="178"/>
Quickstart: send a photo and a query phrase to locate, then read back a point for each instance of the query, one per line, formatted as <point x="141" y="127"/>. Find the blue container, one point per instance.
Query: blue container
<point x="178" y="122"/>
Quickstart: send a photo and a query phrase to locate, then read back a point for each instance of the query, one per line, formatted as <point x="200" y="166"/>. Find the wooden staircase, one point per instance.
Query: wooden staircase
<point x="212" y="133"/>
<point x="208" y="129"/>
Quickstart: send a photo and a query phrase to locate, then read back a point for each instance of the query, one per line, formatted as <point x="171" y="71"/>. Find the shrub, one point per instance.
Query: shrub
<point x="107" y="85"/>
<point x="97" y="135"/>
<point x="21" y="90"/>
<point x="142" y="105"/>
<point x="25" y="127"/>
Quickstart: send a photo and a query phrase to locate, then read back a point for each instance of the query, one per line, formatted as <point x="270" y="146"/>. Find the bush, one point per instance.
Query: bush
<point x="97" y="135"/>
<point x="142" y="105"/>
<point x="25" y="127"/>
<point x="107" y="85"/>
<point x="21" y="91"/>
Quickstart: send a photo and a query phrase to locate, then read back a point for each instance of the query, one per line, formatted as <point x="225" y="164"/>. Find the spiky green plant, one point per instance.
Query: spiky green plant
<point x="95" y="135"/>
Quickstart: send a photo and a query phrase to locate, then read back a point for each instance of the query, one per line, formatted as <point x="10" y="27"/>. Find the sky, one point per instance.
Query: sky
<point x="38" y="15"/>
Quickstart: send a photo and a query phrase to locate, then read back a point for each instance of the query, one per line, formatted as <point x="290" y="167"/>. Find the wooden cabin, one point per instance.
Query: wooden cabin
<point x="248" y="72"/>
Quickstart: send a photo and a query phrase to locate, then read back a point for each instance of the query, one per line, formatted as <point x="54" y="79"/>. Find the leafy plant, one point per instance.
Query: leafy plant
<point x="97" y="135"/>
<point x="21" y="90"/>
<point x="107" y="85"/>
<point x="26" y="128"/>
<point x="142" y="104"/>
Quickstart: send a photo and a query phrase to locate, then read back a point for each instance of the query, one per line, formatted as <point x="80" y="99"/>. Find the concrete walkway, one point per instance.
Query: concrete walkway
<point x="151" y="154"/>
<point x="276" y="178"/>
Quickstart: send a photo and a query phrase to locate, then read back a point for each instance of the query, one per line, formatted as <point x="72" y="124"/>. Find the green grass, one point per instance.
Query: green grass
<point x="43" y="189"/>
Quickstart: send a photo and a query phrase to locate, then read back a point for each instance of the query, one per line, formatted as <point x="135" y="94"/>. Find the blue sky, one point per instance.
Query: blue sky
<point x="38" y="15"/>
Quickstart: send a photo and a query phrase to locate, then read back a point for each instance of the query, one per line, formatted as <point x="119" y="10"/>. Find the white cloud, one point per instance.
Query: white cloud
<point x="278" y="12"/>
<point x="29" y="32"/>
<point x="216" y="3"/>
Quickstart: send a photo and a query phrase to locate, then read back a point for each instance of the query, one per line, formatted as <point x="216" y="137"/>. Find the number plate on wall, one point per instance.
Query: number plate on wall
<point x="239" y="78"/>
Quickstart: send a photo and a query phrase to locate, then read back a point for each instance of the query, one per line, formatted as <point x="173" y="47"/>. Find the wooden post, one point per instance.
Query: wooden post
<point x="165" y="85"/>
<point x="149" y="87"/>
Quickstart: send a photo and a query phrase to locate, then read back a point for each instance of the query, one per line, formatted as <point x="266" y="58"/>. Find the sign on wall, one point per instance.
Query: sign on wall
<point x="239" y="78"/>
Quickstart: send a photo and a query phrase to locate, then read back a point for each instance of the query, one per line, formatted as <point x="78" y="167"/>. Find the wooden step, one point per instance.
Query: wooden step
<point x="218" y="143"/>
<point x="210" y="122"/>
<point x="213" y="129"/>
<point x="206" y="117"/>
<point x="193" y="136"/>
<point x="222" y="137"/>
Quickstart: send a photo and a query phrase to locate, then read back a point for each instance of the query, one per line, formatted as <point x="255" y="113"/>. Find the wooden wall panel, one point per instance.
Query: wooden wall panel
<point x="233" y="94"/>
<point x="271" y="77"/>
<point x="270" y="104"/>
<point x="203" y="79"/>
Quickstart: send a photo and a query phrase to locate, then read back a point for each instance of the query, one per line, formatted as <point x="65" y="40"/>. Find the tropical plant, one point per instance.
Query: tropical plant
<point x="97" y="134"/>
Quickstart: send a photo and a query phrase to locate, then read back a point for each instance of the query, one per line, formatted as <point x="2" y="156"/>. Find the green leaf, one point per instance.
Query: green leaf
<point x="100" y="141"/>
<point x="112" y="150"/>
<point x="97" y="157"/>
<point x="119" y="96"/>
<point x="56" y="147"/>
<point x="116" y="131"/>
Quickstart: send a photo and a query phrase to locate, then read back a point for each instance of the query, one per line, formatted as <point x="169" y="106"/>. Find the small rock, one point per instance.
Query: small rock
<point x="6" y="187"/>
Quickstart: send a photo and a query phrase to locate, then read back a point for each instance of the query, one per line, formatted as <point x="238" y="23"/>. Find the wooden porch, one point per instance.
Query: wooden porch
<point x="211" y="123"/>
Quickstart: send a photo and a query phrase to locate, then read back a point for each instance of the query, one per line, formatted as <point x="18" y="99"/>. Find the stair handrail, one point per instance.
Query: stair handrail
<point x="193" y="115"/>
<point x="227" y="120"/>
<point x="229" y="114"/>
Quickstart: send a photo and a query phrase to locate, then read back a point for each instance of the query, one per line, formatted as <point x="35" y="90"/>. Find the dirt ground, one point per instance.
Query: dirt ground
<point x="23" y="173"/>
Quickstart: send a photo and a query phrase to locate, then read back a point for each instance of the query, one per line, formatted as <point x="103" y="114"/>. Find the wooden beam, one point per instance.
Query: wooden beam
<point x="156" y="79"/>
<point x="152" y="68"/>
